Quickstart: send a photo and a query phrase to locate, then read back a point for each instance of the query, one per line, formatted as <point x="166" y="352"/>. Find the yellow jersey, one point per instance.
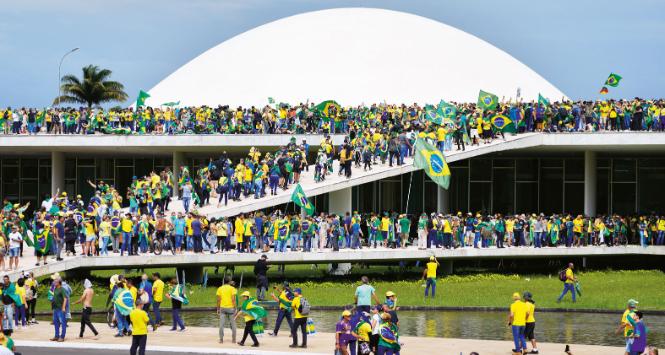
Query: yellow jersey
<point x="519" y="311"/>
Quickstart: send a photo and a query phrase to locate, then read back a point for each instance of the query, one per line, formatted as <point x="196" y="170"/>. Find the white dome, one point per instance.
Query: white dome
<point x="354" y="56"/>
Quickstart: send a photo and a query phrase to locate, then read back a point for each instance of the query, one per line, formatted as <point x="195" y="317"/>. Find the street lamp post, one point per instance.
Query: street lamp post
<point x="59" y="67"/>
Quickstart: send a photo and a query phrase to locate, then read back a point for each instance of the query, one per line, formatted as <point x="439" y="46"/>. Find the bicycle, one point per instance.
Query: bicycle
<point x="161" y="244"/>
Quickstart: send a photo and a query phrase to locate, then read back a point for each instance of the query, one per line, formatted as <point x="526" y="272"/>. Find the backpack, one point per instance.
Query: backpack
<point x="562" y="275"/>
<point x="304" y="306"/>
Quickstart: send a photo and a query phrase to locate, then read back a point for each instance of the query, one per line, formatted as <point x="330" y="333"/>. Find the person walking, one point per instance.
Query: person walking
<point x="157" y="297"/>
<point x="430" y="275"/>
<point x="139" y="319"/>
<point x="285" y="300"/>
<point x="364" y="295"/>
<point x="530" y="321"/>
<point x="251" y="312"/>
<point x="626" y="326"/>
<point x="59" y="307"/>
<point x="568" y="283"/>
<point x="176" y="305"/>
<point x="260" y="271"/>
<point x="300" y="308"/>
<point x="517" y="321"/>
<point x="226" y="307"/>
<point x="86" y="299"/>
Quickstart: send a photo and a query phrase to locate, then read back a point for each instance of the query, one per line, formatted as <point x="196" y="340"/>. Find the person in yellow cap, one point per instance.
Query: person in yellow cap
<point x="391" y="301"/>
<point x="429" y="274"/>
<point x="517" y="321"/>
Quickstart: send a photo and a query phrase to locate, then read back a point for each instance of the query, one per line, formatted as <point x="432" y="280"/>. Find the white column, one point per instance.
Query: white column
<point x="590" y="183"/>
<point x="57" y="172"/>
<point x="442" y="200"/>
<point x="178" y="161"/>
<point x="339" y="202"/>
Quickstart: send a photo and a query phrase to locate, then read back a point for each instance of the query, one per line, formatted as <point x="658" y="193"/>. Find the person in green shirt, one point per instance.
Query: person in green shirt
<point x="422" y="231"/>
<point x="404" y="228"/>
<point x="59" y="307"/>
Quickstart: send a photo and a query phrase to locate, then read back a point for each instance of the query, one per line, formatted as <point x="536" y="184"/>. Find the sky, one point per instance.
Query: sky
<point x="574" y="44"/>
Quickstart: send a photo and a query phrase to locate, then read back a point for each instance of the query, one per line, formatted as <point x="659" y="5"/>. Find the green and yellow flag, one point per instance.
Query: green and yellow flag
<point x="613" y="80"/>
<point x="432" y="161"/>
<point x="503" y="124"/>
<point x="431" y="114"/>
<point x="140" y="100"/>
<point x="543" y="101"/>
<point x="298" y="197"/>
<point x="487" y="100"/>
<point x="446" y="110"/>
<point x="323" y="108"/>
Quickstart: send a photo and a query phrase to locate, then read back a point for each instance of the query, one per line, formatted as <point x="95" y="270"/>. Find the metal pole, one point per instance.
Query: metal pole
<point x="408" y="194"/>
<point x="60" y="67"/>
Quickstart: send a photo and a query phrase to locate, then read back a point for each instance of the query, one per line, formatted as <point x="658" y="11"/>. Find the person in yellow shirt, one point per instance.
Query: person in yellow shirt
<point x="157" y="297"/>
<point x="569" y="284"/>
<point x="239" y="230"/>
<point x="625" y="326"/>
<point x="226" y="307"/>
<point x="139" y="319"/>
<point x="430" y="275"/>
<point x="530" y="321"/>
<point x="517" y="321"/>
<point x="300" y="320"/>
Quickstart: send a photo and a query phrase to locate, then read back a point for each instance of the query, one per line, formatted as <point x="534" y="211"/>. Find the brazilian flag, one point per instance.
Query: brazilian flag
<point x="123" y="301"/>
<point x="42" y="241"/>
<point x="542" y="101"/>
<point x="503" y="124"/>
<point x="251" y="308"/>
<point x="140" y="100"/>
<point x="487" y="100"/>
<point x="431" y="114"/>
<point x="324" y="108"/>
<point x="433" y="162"/>
<point x="298" y="197"/>
<point x="446" y="110"/>
<point x="613" y="80"/>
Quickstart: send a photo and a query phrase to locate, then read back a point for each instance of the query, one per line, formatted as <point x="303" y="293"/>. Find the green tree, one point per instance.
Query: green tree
<point x="93" y="89"/>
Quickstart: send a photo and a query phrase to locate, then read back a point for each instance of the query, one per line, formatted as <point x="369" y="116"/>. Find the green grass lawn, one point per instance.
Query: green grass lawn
<point x="601" y="289"/>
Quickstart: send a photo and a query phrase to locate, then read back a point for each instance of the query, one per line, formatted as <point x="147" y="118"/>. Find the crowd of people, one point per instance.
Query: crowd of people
<point x="637" y="114"/>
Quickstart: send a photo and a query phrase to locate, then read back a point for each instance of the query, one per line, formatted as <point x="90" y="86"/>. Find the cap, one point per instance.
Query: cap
<point x="264" y="256"/>
<point x="297" y="290"/>
<point x="632" y="303"/>
<point x="527" y="295"/>
<point x="390" y="294"/>
<point x="245" y="294"/>
<point x="346" y="314"/>
<point x="516" y="296"/>
<point x="432" y="258"/>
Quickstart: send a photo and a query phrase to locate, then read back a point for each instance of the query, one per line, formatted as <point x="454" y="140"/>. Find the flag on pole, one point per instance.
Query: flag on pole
<point x="604" y="90"/>
<point x="171" y="104"/>
<point x="431" y="114"/>
<point x="543" y="101"/>
<point x="298" y="197"/>
<point x="432" y="161"/>
<point x="613" y="80"/>
<point x="271" y="100"/>
<point x="487" y="100"/>
<point x="324" y="108"/>
<point x="447" y="111"/>
<point x="503" y="124"/>
<point x="140" y="100"/>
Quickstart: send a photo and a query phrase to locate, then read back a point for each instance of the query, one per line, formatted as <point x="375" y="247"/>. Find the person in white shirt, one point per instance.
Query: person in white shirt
<point x="15" y="241"/>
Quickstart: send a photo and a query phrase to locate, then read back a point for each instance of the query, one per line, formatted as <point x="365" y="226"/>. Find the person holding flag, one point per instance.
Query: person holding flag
<point x="178" y="298"/>
<point x="253" y="313"/>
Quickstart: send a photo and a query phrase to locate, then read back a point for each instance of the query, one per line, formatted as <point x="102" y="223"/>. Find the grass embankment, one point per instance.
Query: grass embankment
<point x="603" y="290"/>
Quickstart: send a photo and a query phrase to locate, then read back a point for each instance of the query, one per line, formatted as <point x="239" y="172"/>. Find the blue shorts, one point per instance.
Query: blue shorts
<point x="14" y="252"/>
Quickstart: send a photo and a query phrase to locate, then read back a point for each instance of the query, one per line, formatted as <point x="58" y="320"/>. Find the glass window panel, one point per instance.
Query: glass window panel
<point x="551" y="190"/>
<point x="366" y="198"/>
<point x="105" y="169"/>
<point x="651" y="191"/>
<point x="85" y="173"/>
<point x="144" y="167"/>
<point x="460" y="163"/>
<point x="602" y="191"/>
<point x="481" y="169"/>
<point x="503" y="193"/>
<point x="70" y="168"/>
<point x="44" y="181"/>
<point x="124" y="162"/>
<point x="526" y="196"/>
<point x="652" y="163"/>
<point x="431" y="196"/>
<point x="29" y="168"/>
<point x="603" y="163"/>
<point x="623" y="198"/>
<point x="415" y="198"/>
<point x="623" y="170"/>
<point x="458" y="191"/>
<point x="10" y="185"/>
<point x="551" y="163"/>
<point x="29" y="190"/>
<point x="85" y="162"/>
<point x="70" y="187"/>
<point x="504" y="163"/>
<point x="527" y="169"/>
<point x="390" y="195"/>
<point x="9" y="161"/>
<point x="124" y="179"/>
<point x="480" y="195"/>
<point x="45" y="162"/>
<point x="574" y="170"/>
<point x="574" y="198"/>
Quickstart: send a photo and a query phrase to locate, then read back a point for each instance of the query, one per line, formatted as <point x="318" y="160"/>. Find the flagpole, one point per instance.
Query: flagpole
<point x="408" y="194"/>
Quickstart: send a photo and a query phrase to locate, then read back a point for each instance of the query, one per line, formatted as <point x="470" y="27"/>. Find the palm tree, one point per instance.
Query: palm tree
<point x="95" y="88"/>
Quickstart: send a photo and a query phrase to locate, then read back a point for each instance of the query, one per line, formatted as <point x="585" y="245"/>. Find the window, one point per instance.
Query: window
<point x="481" y="169"/>
<point x="458" y="191"/>
<point x="574" y="198"/>
<point x="574" y="170"/>
<point x="503" y="193"/>
<point x="623" y="198"/>
<point x="526" y="197"/>
<point x="551" y="190"/>
<point x="480" y="197"/>
<point x="527" y="170"/>
<point x="623" y="170"/>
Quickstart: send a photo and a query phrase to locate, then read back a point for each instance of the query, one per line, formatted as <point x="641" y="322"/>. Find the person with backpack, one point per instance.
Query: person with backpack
<point x="285" y="301"/>
<point x="301" y="309"/>
<point x="568" y="279"/>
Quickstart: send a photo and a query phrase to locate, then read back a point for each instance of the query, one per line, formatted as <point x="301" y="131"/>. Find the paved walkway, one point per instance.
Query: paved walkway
<point x="204" y="341"/>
